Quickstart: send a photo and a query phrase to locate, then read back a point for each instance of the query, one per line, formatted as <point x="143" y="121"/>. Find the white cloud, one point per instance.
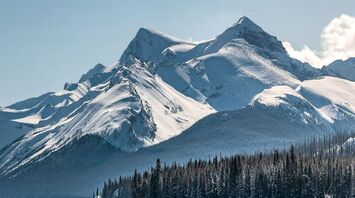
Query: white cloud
<point x="304" y="55"/>
<point x="337" y="41"/>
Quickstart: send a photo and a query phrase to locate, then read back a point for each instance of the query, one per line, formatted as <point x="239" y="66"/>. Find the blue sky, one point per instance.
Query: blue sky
<point x="45" y="43"/>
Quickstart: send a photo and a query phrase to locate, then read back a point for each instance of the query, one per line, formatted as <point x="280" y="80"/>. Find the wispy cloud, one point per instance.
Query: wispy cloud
<point x="337" y="41"/>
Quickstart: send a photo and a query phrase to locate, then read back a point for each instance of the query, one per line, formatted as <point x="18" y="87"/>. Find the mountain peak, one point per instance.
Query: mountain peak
<point x="244" y="19"/>
<point x="245" y="23"/>
<point x="148" y="44"/>
<point x="246" y="29"/>
<point x="146" y="32"/>
<point x="96" y="69"/>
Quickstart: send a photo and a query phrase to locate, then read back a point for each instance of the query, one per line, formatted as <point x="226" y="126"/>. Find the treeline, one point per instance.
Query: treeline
<point x="318" y="168"/>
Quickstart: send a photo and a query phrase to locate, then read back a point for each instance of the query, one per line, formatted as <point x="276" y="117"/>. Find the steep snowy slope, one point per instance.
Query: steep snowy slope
<point x="125" y="103"/>
<point x="11" y="130"/>
<point x="274" y="118"/>
<point x="334" y="99"/>
<point x="132" y="109"/>
<point x="344" y="69"/>
<point x="49" y="108"/>
<point x="228" y="71"/>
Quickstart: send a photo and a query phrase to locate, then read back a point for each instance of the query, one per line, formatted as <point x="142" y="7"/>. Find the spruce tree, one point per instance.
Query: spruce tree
<point x="154" y="190"/>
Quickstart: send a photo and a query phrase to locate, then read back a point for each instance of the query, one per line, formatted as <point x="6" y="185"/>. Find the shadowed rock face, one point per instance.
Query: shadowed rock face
<point x="99" y="68"/>
<point x="344" y="69"/>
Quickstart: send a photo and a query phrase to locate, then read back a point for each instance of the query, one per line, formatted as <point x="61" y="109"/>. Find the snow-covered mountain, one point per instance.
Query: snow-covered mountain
<point x="170" y="98"/>
<point x="127" y="106"/>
